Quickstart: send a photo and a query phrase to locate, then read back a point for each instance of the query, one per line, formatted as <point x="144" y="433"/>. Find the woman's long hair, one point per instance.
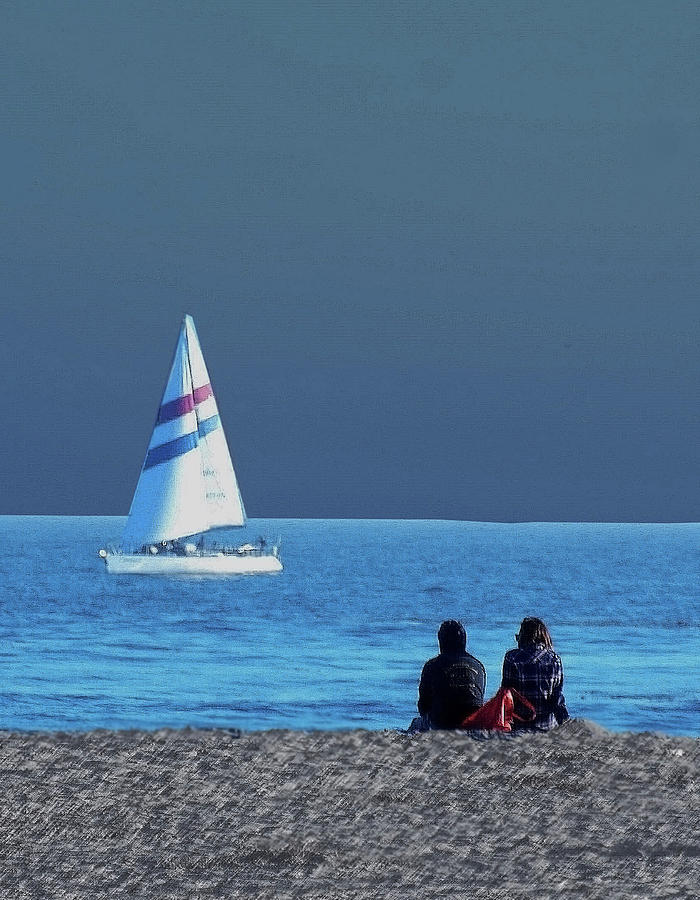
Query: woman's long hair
<point x="534" y="631"/>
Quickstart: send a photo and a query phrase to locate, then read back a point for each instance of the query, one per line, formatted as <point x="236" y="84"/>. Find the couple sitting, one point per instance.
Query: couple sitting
<point x="451" y="691"/>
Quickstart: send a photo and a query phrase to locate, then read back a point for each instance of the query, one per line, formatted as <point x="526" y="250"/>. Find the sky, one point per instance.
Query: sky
<point x="442" y="256"/>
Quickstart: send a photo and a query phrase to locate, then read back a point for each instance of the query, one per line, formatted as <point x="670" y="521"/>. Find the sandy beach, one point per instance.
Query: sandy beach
<point x="188" y="814"/>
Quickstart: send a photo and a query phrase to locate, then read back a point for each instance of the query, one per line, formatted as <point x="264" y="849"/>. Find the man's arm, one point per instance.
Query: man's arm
<point x="483" y="681"/>
<point x="425" y="691"/>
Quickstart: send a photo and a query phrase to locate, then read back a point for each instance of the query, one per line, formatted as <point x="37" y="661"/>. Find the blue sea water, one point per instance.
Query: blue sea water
<point x="338" y="639"/>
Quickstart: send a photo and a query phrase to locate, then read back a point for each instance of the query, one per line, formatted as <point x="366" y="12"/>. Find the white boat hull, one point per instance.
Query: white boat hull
<point x="204" y="564"/>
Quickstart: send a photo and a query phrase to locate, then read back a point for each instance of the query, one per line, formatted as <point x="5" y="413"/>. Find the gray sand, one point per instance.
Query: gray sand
<point x="195" y="814"/>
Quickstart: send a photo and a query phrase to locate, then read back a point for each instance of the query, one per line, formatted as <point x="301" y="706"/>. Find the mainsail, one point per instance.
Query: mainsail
<point x="187" y="484"/>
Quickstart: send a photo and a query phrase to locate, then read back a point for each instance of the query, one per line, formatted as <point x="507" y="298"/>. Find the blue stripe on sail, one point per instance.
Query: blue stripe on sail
<point x="206" y="426"/>
<point x="163" y="452"/>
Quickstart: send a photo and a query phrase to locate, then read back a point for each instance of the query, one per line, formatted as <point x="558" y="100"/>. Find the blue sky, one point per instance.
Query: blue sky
<point x="443" y="258"/>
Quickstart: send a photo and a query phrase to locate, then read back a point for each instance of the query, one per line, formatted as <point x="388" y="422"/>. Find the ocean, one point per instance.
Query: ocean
<point x="338" y="639"/>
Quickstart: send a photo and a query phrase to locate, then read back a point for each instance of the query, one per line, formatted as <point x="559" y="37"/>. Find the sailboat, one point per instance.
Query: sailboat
<point x="187" y="485"/>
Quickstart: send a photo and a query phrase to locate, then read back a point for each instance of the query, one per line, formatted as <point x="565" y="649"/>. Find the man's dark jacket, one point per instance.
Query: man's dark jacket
<point x="451" y="687"/>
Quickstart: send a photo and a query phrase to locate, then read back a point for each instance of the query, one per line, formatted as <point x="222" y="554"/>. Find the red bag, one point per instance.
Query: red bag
<point x="498" y="713"/>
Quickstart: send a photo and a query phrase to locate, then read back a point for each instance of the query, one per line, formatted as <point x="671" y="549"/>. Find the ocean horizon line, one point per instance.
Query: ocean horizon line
<point x="408" y="519"/>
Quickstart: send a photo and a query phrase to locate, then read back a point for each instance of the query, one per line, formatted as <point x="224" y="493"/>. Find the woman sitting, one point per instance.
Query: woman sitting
<point x="535" y="670"/>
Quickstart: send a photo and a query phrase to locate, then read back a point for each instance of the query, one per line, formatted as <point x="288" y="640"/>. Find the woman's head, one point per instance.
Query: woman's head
<point x="533" y="631"/>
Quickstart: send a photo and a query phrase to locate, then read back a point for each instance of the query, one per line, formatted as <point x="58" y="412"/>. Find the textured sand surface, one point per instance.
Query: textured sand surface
<point x="579" y="812"/>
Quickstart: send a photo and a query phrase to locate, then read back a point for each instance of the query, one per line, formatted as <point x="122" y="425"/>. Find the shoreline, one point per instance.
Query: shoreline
<point x="590" y="727"/>
<point x="578" y="811"/>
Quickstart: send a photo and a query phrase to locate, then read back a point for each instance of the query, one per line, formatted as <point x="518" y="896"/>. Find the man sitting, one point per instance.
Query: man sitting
<point x="452" y="684"/>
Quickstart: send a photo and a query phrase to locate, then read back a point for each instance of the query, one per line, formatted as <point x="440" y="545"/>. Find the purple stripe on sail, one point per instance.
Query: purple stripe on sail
<point x="175" y="408"/>
<point x="202" y="393"/>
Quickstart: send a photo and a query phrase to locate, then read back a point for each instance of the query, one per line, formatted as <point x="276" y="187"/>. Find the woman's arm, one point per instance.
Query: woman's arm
<point x="561" y="713"/>
<point x="509" y="678"/>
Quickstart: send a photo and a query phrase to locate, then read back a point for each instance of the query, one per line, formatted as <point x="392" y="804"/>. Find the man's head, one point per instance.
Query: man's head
<point x="452" y="637"/>
<point x="533" y="632"/>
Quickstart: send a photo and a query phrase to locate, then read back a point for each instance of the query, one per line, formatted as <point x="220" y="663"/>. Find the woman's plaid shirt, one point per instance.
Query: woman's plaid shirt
<point x="537" y="674"/>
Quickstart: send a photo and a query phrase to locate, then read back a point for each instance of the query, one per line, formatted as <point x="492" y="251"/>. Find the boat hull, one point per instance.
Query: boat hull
<point x="215" y="564"/>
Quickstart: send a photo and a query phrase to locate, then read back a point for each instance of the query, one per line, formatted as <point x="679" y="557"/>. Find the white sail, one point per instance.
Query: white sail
<point x="187" y="484"/>
<point x="223" y="498"/>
